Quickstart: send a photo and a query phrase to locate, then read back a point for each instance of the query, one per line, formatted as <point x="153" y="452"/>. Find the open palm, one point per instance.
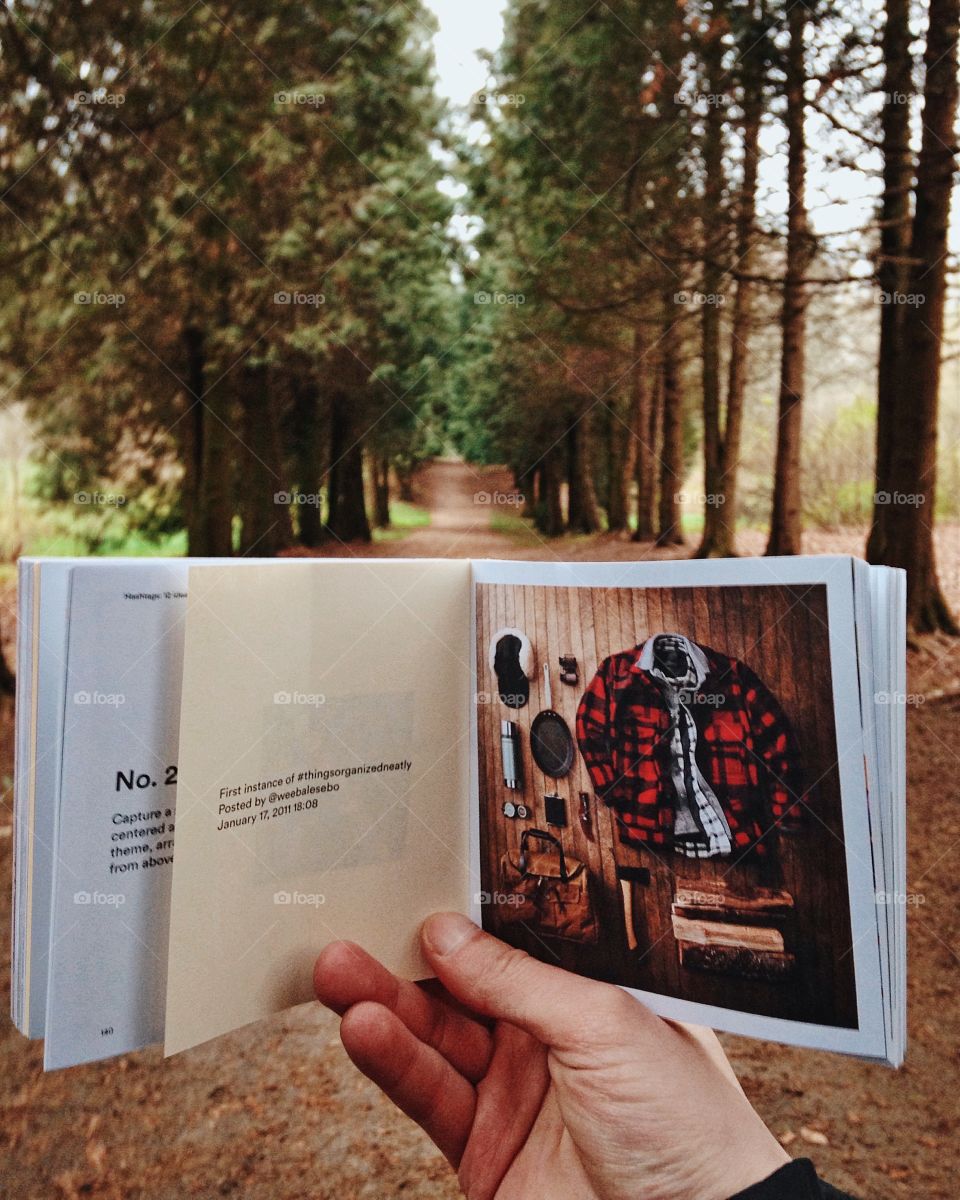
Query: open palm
<point x="534" y="1082"/>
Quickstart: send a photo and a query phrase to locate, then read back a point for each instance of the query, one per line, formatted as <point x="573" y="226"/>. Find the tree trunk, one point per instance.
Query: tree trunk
<point x="713" y="274"/>
<point x="913" y="465"/>
<point x="620" y="468"/>
<point x="583" y="514"/>
<point x="644" y="431"/>
<point x="786" y="523"/>
<point x="308" y="458"/>
<point x="403" y="469"/>
<point x="720" y="520"/>
<point x="8" y="681"/>
<point x="531" y="486"/>
<point x="381" y="491"/>
<point x="893" y="265"/>
<point x="648" y="490"/>
<point x="190" y="432"/>
<point x="264" y="504"/>
<point x="550" y="508"/>
<point x="670" y="530"/>
<point x="346" y="507"/>
<point x="214" y="523"/>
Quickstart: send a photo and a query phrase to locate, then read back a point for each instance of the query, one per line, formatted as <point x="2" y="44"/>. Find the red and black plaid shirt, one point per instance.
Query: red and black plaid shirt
<point x="746" y="750"/>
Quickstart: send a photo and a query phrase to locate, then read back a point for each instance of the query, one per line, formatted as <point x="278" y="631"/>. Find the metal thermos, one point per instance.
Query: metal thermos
<point x="510" y="752"/>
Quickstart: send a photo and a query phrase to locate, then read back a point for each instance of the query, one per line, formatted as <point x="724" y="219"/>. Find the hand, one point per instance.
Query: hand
<point x="535" y="1082"/>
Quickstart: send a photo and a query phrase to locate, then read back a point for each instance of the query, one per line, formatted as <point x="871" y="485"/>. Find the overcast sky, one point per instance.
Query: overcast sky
<point x="465" y="27"/>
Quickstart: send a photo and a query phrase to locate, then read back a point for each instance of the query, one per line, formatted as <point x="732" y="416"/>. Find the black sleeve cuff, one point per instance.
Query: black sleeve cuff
<point x="796" y="1181"/>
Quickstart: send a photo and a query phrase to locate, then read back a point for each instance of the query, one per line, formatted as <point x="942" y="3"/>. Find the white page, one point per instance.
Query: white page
<point x="323" y="667"/>
<point x="868" y="1038"/>
<point x="889" y="651"/>
<point x="872" y="681"/>
<point x="41" y="678"/>
<point x="109" y="927"/>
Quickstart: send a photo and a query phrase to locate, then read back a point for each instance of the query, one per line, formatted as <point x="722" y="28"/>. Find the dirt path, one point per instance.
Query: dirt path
<point x="276" y="1112"/>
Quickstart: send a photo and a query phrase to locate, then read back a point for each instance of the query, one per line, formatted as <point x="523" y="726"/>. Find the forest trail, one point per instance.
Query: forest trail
<point x="462" y="500"/>
<point x="476" y="512"/>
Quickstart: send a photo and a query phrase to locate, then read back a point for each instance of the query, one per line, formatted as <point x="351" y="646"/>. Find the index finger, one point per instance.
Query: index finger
<point x="346" y="975"/>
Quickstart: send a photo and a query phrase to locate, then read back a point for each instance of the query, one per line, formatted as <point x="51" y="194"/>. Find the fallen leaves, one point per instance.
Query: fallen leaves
<point x="813" y="1137"/>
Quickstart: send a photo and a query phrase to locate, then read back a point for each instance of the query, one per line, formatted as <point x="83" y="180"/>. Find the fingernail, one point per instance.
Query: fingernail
<point x="445" y="932"/>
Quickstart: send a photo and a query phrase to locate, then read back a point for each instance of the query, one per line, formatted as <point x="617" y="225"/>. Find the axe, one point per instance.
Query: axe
<point x="627" y="877"/>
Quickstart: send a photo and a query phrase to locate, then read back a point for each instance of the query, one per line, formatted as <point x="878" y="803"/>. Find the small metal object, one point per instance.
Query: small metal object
<point x="585" y="821"/>
<point x="569" y="672"/>
<point x="551" y="742"/>
<point x="509" y="809"/>
<point x="510" y="754"/>
<point x="523" y="812"/>
<point x="555" y="811"/>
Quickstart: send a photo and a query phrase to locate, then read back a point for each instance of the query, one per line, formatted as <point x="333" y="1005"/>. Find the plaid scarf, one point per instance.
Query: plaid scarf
<point x="700" y="829"/>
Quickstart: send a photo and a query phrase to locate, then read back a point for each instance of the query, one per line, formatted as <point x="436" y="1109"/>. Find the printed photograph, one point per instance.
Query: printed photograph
<point x="660" y="797"/>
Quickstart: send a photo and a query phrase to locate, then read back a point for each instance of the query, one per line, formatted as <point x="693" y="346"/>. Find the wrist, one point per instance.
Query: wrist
<point x="797" y="1180"/>
<point x="749" y="1168"/>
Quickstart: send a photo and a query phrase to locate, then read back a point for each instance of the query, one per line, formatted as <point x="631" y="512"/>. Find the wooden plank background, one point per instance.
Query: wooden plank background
<point x="781" y="633"/>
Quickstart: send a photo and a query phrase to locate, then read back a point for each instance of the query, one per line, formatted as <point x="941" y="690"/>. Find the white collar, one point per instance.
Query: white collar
<point x="700" y="665"/>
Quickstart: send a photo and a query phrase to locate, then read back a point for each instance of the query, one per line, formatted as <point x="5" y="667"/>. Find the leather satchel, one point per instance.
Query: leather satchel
<point x="546" y="889"/>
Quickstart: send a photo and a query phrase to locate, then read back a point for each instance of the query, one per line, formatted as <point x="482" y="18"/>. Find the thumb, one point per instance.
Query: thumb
<point x="558" y="1008"/>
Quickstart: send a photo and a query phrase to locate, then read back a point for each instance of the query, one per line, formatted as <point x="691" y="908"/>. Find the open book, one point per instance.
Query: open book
<point x="685" y="778"/>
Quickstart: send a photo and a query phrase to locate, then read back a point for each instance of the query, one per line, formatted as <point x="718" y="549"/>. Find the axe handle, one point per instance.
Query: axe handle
<point x="626" y="890"/>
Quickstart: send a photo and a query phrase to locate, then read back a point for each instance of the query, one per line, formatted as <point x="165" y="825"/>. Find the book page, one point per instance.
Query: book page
<point x="41" y="681"/>
<point x="323" y="778"/>
<point x="669" y="787"/>
<point x="113" y="853"/>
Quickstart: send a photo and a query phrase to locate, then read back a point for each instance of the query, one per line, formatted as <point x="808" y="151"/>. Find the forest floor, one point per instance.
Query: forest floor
<point x="277" y="1112"/>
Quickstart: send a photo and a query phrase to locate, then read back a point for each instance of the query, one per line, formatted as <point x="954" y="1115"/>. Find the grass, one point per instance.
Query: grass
<point x="403" y="518"/>
<point x="131" y="544"/>
<point x="67" y="539"/>
<point x="521" y="529"/>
